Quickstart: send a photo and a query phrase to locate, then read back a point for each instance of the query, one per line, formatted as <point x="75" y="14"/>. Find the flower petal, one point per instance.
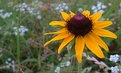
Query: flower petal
<point x="58" y="37"/>
<point x="72" y="14"/>
<point x="93" y="46"/>
<point x="100" y="41"/>
<point x="65" y="16"/>
<point x="86" y="13"/>
<point x="104" y="33"/>
<point x="63" y="30"/>
<point x="58" y="23"/>
<point x="95" y="16"/>
<point x="65" y="42"/>
<point x="79" y="47"/>
<point x="102" y="24"/>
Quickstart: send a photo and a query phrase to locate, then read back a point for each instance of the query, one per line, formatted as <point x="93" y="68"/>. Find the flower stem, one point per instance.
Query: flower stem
<point x="18" y="39"/>
<point x="80" y="68"/>
<point x="39" y="63"/>
<point x="18" y="46"/>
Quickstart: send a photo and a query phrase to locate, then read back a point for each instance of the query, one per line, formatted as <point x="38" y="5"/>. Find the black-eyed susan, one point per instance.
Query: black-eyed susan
<point x="85" y="29"/>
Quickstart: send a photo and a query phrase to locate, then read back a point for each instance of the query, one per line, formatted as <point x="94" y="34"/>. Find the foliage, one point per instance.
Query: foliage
<point x="24" y="22"/>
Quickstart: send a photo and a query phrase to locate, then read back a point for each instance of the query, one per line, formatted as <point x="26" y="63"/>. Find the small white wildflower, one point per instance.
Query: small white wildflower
<point x="57" y="70"/>
<point x="39" y="17"/>
<point x="21" y="30"/>
<point x="67" y="63"/>
<point x="36" y="1"/>
<point x="1" y="10"/>
<point x="8" y="14"/>
<point x="102" y="11"/>
<point x="104" y="6"/>
<point x="66" y="8"/>
<point x="4" y="14"/>
<point x="9" y="59"/>
<point x="84" y="55"/>
<point x="114" y="58"/>
<point x="13" y="62"/>
<point x="0" y="28"/>
<point x="99" y="4"/>
<point x="22" y="7"/>
<point x="62" y="64"/>
<point x="64" y="4"/>
<point x="30" y="10"/>
<point x="99" y="7"/>
<point x="93" y="7"/>
<point x="14" y="28"/>
<point x="38" y="13"/>
<point x="109" y="4"/>
<point x="80" y="9"/>
<point x="96" y="10"/>
<point x="57" y="8"/>
<point x="27" y="9"/>
<point x="1" y="52"/>
<point x="10" y="63"/>
<point x="120" y="4"/>
<point x="61" y="10"/>
<point x="6" y="62"/>
<point x="115" y="69"/>
<point x="61" y="7"/>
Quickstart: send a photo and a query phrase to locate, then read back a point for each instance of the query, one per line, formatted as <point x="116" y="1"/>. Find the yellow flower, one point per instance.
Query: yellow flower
<point x="86" y="29"/>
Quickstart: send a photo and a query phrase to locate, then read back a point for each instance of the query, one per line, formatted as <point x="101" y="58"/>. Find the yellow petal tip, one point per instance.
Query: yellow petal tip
<point x="58" y="52"/>
<point x="115" y="37"/>
<point x="102" y="56"/>
<point x="51" y="23"/>
<point x="45" y="44"/>
<point x="45" y="33"/>
<point x="70" y="11"/>
<point x="107" y="50"/>
<point x="79" y="61"/>
<point x="62" y="12"/>
<point x="111" y="22"/>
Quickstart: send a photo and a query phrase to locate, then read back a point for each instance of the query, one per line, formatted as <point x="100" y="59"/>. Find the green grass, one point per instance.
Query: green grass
<point x="28" y="52"/>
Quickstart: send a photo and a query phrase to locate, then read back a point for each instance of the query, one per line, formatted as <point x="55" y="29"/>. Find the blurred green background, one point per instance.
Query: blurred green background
<point x="23" y="23"/>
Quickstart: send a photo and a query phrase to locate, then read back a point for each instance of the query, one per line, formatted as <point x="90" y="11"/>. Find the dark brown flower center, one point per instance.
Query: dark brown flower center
<point x="79" y="25"/>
